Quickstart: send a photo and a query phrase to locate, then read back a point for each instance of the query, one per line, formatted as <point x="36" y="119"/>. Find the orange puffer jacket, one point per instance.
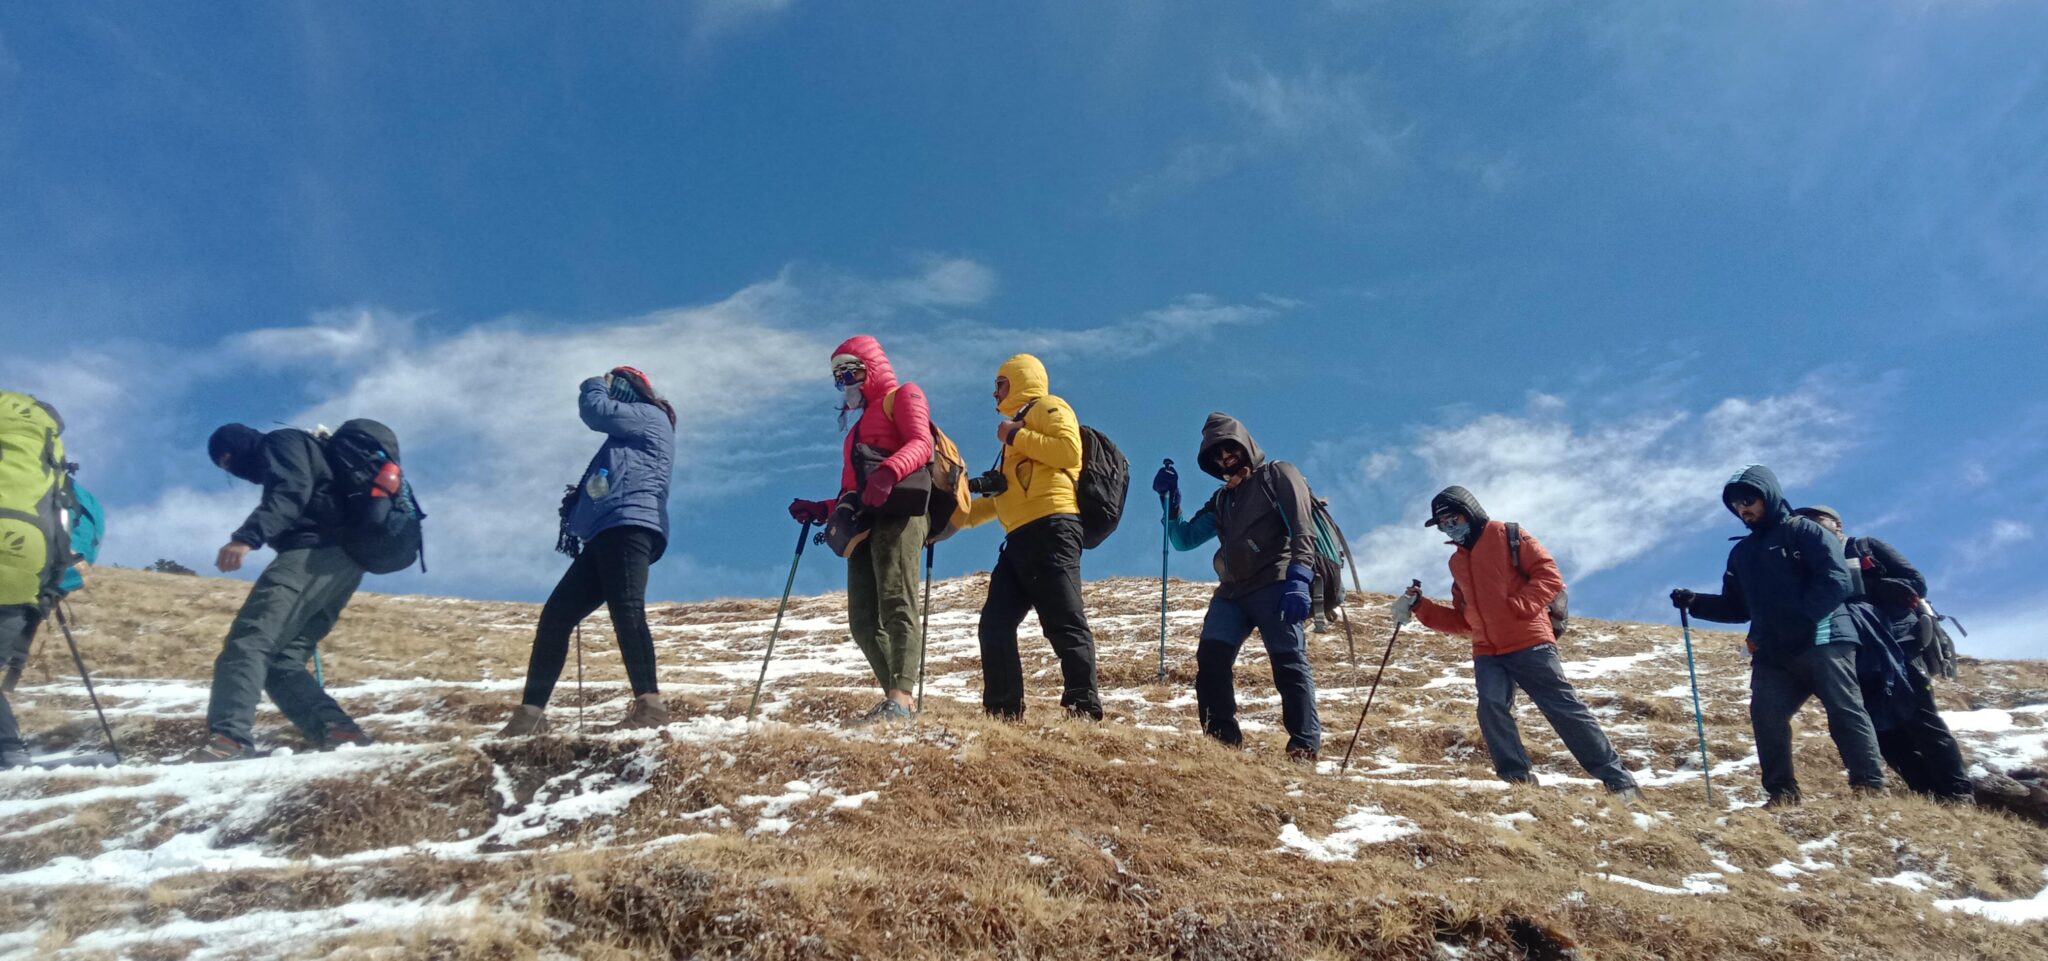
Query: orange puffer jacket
<point x="1501" y="608"/>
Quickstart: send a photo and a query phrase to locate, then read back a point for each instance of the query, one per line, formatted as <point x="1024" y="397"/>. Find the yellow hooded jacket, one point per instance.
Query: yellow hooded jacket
<point x="1042" y="460"/>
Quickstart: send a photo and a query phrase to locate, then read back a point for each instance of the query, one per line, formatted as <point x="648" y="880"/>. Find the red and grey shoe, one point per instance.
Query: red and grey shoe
<point x="345" y="735"/>
<point x="221" y="747"/>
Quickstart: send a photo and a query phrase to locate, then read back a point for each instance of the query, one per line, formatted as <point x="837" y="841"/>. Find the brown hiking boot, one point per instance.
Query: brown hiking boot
<point x="221" y="747"/>
<point x="345" y="735"/>
<point x="646" y="711"/>
<point x="527" y="721"/>
<point x="1302" y="755"/>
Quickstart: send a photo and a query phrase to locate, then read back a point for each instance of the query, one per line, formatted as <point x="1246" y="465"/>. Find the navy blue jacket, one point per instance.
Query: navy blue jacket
<point x="1788" y="578"/>
<point x="638" y="451"/>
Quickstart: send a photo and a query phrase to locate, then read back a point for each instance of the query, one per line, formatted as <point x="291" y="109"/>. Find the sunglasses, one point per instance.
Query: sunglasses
<point x="847" y="375"/>
<point x="1744" y="500"/>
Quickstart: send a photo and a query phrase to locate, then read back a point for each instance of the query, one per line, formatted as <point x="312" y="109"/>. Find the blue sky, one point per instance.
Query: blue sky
<point x="1585" y="261"/>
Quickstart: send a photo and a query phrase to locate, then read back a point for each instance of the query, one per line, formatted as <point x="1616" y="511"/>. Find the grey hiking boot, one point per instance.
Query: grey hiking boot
<point x="884" y="713"/>
<point x="1630" y="796"/>
<point x="221" y="747"/>
<point x="527" y="721"/>
<point x="646" y="711"/>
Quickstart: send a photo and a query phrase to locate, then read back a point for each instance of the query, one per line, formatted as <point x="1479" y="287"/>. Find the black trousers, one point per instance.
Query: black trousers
<point x="1039" y="570"/>
<point x="612" y="571"/>
<point x="1923" y="751"/>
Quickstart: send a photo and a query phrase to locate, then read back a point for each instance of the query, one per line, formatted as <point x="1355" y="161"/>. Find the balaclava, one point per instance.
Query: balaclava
<point x="243" y="446"/>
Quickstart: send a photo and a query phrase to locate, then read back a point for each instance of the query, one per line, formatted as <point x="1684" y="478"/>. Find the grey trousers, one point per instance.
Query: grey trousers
<point x="1777" y="690"/>
<point x="293" y="605"/>
<point x="1538" y="671"/>
<point x="17" y="628"/>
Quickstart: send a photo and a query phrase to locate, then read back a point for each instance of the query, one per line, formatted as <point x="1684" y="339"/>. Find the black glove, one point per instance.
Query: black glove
<point x="1682" y="598"/>
<point x="1167" y="484"/>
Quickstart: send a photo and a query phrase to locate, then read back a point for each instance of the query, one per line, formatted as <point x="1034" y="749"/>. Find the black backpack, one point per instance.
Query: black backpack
<point x="379" y="530"/>
<point x="1102" y="486"/>
<point x="1560" y="612"/>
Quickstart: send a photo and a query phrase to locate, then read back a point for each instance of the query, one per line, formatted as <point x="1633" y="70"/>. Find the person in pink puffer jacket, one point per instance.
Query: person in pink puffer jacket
<point x="891" y="440"/>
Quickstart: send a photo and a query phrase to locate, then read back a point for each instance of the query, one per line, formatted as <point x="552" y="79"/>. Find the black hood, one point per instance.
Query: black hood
<point x="243" y="446"/>
<point x="1223" y="427"/>
<point x="1759" y="478"/>
<point x="1460" y="499"/>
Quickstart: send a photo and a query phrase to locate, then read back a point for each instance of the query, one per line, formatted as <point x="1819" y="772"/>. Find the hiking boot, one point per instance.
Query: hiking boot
<point x="526" y="721"/>
<point x="1868" y="790"/>
<point x="14" y="757"/>
<point x="872" y="714"/>
<point x="1631" y="796"/>
<point x="221" y="747"/>
<point x="1783" y="799"/>
<point x="345" y="734"/>
<point x="1302" y="755"/>
<point x="1321" y="626"/>
<point x="1084" y="713"/>
<point x="887" y="712"/>
<point x="645" y="711"/>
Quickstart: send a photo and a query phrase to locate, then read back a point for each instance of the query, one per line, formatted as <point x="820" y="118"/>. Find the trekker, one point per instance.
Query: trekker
<point x="1031" y="491"/>
<point x="615" y="526"/>
<point x="295" y="601"/>
<point x="1505" y="609"/>
<point x="18" y="625"/>
<point x="42" y="532"/>
<point x="891" y="440"/>
<point x="1262" y="520"/>
<point x="1911" y="736"/>
<point x="1788" y="579"/>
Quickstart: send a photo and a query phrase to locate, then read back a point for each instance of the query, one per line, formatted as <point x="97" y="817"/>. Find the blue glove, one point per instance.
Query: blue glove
<point x="1167" y="484"/>
<point x="1294" y="604"/>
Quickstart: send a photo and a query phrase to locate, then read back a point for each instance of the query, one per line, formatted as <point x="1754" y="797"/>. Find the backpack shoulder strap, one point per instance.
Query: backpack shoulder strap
<point x="889" y="404"/>
<point x="1515" y="546"/>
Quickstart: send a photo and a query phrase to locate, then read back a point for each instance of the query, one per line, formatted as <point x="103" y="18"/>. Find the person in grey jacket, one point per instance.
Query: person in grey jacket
<point x="1266" y="561"/>
<point x="615" y="525"/>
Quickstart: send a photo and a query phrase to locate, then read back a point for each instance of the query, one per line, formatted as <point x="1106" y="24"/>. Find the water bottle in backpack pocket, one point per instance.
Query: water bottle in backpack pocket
<point x="599" y="484"/>
<point x="381" y="516"/>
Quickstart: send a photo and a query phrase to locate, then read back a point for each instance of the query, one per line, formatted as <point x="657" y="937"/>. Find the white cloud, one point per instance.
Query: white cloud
<point x="1188" y="319"/>
<point x="1331" y="124"/>
<point x="2006" y="533"/>
<point x="1598" y="495"/>
<point x="340" y="336"/>
<point x="713" y="19"/>
<point x="2018" y="630"/>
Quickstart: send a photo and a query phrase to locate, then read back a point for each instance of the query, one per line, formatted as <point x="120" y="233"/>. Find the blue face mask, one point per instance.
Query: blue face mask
<point x="1456" y="531"/>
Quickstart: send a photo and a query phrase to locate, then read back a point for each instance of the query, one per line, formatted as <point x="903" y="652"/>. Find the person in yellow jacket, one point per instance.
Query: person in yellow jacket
<point x="1039" y="568"/>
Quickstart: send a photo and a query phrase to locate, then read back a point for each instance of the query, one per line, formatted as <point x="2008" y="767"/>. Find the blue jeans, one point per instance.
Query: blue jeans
<point x="1224" y="631"/>
<point x="1538" y="671"/>
<point x="1777" y="690"/>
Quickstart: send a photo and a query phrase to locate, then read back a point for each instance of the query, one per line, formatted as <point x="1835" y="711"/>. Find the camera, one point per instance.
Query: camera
<point x="989" y="484"/>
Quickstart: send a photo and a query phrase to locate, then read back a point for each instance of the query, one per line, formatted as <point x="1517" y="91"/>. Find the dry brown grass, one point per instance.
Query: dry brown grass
<point x="1047" y="838"/>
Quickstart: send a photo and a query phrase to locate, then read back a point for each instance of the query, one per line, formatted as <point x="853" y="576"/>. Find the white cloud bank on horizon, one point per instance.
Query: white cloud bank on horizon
<point x="488" y="417"/>
<point x="1597" y="495"/>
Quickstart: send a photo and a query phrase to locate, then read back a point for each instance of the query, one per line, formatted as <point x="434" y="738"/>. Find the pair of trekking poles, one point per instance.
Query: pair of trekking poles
<point x="58" y="614"/>
<point x="923" y="629"/>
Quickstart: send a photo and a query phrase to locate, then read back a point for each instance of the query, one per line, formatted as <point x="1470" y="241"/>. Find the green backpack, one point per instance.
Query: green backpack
<point x="34" y="494"/>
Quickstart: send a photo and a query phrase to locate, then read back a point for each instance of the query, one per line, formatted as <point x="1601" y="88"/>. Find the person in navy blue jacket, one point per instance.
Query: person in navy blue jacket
<point x="615" y="525"/>
<point x="1789" y="580"/>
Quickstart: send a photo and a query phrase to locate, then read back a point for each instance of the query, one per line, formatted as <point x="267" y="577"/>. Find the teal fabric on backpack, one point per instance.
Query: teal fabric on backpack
<point x="88" y="525"/>
<point x="1328" y="544"/>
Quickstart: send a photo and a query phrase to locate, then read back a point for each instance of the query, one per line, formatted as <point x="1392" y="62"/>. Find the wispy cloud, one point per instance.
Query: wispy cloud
<point x="1597" y="493"/>
<point x="712" y="20"/>
<point x="1331" y="124"/>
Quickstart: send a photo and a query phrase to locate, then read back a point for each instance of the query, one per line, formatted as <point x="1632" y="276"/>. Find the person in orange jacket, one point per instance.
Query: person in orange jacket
<point x="1506" y="612"/>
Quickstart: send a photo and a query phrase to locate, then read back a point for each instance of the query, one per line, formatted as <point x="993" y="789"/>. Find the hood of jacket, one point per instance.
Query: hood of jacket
<point x="1028" y="382"/>
<point x="881" y="377"/>
<point x="1461" y="500"/>
<point x="1223" y="427"/>
<point x="1763" y="481"/>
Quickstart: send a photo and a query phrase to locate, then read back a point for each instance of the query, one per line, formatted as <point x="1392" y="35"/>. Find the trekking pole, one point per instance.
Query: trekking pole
<point x="924" y="626"/>
<point x="1356" y="729"/>
<point x="83" y="675"/>
<point x="1698" y="720"/>
<point x="1344" y="614"/>
<point x="1351" y="559"/>
<point x="579" y="677"/>
<point x="801" y="536"/>
<point x="1165" y="545"/>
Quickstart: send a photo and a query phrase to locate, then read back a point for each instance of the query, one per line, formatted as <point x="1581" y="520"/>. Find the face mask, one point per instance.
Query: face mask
<point x="1457" y="531"/>
<point x="855" y="400"/>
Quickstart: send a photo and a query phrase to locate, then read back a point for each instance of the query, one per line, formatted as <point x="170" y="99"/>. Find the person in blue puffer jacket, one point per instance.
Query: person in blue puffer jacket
<point x="1789" y="580"/>
<point x="615" y="525"/>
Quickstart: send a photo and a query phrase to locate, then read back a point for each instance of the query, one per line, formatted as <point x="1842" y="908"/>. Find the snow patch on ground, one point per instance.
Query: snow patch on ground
<point x="1363" y="826"/>
<point x="2005" y="912"/>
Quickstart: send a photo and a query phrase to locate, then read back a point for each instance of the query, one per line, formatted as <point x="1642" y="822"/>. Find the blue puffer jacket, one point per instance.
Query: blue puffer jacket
<point x="639" y="451"/>
<point x="1787" y="578"/>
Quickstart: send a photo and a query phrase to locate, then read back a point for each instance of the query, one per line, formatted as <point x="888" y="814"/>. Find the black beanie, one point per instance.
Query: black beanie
<point x="240" y="443"/>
